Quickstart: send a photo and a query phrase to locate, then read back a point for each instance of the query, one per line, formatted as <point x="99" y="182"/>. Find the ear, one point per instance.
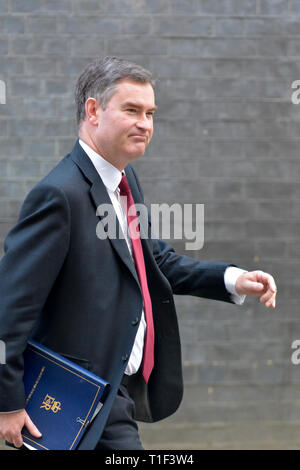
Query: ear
<point x="92" y="111"/>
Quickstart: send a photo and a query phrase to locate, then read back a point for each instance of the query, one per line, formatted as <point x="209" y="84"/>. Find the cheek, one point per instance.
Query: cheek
<point x="151" y="132"/>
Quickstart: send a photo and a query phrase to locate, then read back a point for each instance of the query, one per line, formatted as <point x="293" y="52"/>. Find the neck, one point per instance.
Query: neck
<point x="88" y="139"/>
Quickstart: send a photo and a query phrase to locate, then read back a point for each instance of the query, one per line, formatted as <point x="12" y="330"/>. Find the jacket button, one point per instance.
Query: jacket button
<point x="135" y="321"/>
<point x="125" y="357"/>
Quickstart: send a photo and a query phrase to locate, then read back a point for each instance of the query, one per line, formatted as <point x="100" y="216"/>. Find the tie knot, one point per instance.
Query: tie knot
<point x="124" y="186"/>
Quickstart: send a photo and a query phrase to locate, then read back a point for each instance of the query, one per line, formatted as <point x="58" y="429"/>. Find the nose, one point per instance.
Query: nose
<point x="144" y="123"/>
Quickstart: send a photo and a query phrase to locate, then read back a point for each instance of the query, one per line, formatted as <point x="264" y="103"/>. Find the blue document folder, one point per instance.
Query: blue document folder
<point x="61" y="398"/>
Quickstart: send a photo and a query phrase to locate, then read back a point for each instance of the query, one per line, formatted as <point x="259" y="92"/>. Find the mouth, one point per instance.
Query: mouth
<point x="140" y="137"/>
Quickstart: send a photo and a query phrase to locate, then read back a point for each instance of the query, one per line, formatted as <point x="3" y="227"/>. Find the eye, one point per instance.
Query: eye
<point x="131" y="110"/>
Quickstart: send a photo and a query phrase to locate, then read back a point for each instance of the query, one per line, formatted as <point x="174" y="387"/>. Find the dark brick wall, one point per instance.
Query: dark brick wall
<point x="227" y="136"/>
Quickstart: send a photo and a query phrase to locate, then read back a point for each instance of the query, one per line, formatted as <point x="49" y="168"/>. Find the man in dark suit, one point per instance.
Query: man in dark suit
<point x="105" y="302"/>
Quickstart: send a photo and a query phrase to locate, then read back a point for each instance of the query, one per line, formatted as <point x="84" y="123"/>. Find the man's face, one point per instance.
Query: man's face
<point x="125" y="127"/>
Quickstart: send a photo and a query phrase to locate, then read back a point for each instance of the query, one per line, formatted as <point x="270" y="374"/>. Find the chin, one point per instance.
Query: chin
<point x="136" y="154"/>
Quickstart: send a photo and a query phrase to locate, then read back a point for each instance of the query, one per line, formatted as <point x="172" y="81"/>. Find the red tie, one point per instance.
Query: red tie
<point x="132" y="219"/>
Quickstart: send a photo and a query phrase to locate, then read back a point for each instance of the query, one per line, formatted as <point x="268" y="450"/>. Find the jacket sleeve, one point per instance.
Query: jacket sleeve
<point x="34" y="252"/>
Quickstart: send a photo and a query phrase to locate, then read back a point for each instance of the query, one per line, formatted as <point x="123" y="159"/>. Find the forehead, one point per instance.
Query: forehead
<point x="141" y="93"/>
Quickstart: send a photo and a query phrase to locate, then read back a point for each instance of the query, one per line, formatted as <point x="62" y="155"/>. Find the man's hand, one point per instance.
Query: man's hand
<point x="11" y="425"/>
<point x="257" y="283"/>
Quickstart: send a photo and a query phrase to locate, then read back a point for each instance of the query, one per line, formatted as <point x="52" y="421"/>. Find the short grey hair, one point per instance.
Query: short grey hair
<point x="100" y="79"/>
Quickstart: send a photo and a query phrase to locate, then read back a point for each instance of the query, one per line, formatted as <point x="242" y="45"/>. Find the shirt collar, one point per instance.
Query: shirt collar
<point x="109" y="174"/>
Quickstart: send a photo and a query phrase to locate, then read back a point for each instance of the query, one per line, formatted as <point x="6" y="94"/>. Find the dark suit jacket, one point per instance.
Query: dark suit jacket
<point x="80" y="295"/>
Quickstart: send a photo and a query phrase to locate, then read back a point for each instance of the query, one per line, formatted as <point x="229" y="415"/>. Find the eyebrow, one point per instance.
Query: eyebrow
<point x="137" y="105"/>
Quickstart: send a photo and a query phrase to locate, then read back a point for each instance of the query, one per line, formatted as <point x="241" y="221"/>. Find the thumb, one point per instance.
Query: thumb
<point x="31" y="427"/>
<point x="254" y="286"/>
<point x="257" y="285"/>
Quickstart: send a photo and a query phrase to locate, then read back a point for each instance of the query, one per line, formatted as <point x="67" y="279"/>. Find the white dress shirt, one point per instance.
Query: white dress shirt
<point x="111" y="178"/>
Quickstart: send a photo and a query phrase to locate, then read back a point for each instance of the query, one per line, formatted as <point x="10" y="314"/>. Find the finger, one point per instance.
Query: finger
<point x="32" y="427"/>
<point x="268" y="280"/>
<point x="16" y="439"/>
<point x="266" y="297"/>
<point x="271" y="301"/>
<point x="253" y="286"/>
<point x="268" y="294"/>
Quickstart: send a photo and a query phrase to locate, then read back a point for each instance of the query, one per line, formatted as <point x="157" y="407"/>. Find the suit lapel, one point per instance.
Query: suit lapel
<point x="100" y="196"/>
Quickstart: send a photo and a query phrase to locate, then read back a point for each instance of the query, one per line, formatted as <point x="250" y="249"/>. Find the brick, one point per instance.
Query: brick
<point x="25" y="86"/>
<point x="23" y="168"/>
<point x="134" y="45"/>
<point x="37" y="67"/>
<point x="41" y="24"/>
<point x="11" y="66"/>
<point x="3" y="128"/>
<point x="181" y="68"/>
<point x="177" y="127"/>
<point x="177" y="87"/>
<point x="293" y="47"/>
<point x="57" y="87"/>
<point x="87" y="6"/>
<point x="12" y="24"/>
<point x="229" y="27"/>
<point x="184" y="6"/>
<point x="292" y="26"/>
<point x="71" y="67"/>
<point x="261" y="190"/>
<point x="29" y="6"/>
<point x="227" y="67"/>
<point x="136" y="25"/>
<point x="27" y="128"/>
<point x="233" y="210"/>
<point x="230" y="149"/>
<point x="264" y="26"/>
<point x="10" y="148"/>
<point x="3" y="6"/>
<point x="3" y="168"/>
<point x="274" y="7"/>
<point x="59" y="128"/>
<point x="36" y="46"/>
<point x="228" y="190"/>
<point x="3" y="46"/>
<point x="142" y="6"/>
<point x="294" y="7"/>
<point x="270" y="46"/>
<point x="86" y="46"/>
<point x="272" y="250"/>
<point x="228" y="47"/>
<point x="11" y="188"/>
<point x="171" y="148"/>
<point x="189" y="26"/>
<point x="270" y="68"/>
<point x="38" y="148"/>
<point x="228" y="7"/>
<point x="46" y="108"/>
<point x="227" y="250"/>
<point x="89" y="25"/>
<point x="65" y="146"/>
<point x="12" y="108"/>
